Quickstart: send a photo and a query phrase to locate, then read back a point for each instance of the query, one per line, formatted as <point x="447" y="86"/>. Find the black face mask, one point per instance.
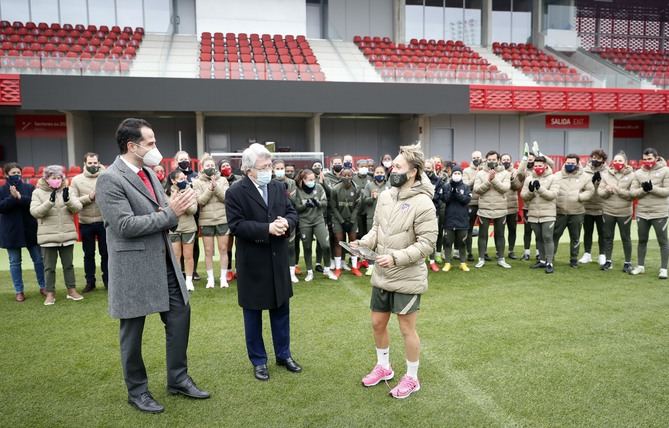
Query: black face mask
<point x="290" y="175"/>
<point x="476" y="162"/>
<point x="530" y="165"/>
<point x="337" y="168"/>
<point x="596" y="163"/>
<point x="507" y="165"/>
<point x="492" y="165"/>
<point x="430" y="174"/>
<point x="348" y="165"/>
<point x="184" y="165"/>
<point x="397" y="179"/>
<point x="316" y="171"/>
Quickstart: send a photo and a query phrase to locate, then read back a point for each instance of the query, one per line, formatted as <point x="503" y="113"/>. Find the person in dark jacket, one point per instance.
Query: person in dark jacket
<point x="438" y="184"/>
<point x="456" y="196"/>
<point x="18" y="229"/>
<point x="261" y="217"/>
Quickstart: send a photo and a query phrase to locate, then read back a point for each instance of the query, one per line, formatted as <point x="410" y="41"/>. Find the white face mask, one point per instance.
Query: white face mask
<point x="457" y="178"/>
<point x="387" y="163"/>
<point x="280" y="173"/>
<point x="263" y="177"/>
<point x="152" y="157"/>
<point x="363" y="170"/>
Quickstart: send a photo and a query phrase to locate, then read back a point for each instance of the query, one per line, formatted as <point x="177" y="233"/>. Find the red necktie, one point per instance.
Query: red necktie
<point x="147" y="183"/>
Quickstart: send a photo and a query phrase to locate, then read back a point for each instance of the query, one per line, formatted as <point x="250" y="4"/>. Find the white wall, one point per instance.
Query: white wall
<point x="252" y="16"/>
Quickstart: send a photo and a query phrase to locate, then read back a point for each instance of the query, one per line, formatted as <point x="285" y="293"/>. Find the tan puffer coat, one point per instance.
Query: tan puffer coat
<point x="594" y="205"/>
<point x="405" y="225"/>
<point x="541" y="204"/>
<point x="469" y="177"/>
<point x="517" y="179"/>
<point x="212" y="203"/>
<point x="573" y="190"/>
<point x="186" y="220"/>
<point x="654" y="204"/>
<point x="492" y="194"/>
<point x="616" y="201"/>
<point x="81" y="187"/>
<point x="55" y="221"/>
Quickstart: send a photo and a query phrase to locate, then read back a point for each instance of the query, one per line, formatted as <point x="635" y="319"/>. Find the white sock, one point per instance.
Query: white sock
<point x="337" y="263"/>
<point x="431" y="261"/>
<point x="190" y="278"/>
<point x="526" y="252"/>
<point x="224" y="275"/>
<point x="210" y="274"/>
<point x="292" y="271"/>
<point x="332" y="264"/>
<point x="383" y="357"/>
<point x="326" y="270"/>
<point x="412" y="369"/>
<point x="354" y="261"/>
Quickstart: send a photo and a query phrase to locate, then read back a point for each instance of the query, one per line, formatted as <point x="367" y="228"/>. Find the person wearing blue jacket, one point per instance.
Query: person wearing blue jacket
<point x="18" y="229"/>
<point x="456" y="196"/>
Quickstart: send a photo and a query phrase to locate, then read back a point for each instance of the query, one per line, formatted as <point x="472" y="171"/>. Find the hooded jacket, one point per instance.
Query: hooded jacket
<point x="211" y="202"/>
<point x="541" y="204"/>
<point x="616" y="202"/>
<point x="492" y="194"/>
<point x="594" y="205"/>
<point x="456" y="196"/>
<point x="81" y="187"/>
<point x="653" y="204"/>
<point x="573" y="190"/>
<point x="186" y="220"/>
<point x="55" y="220"/>
<point x="405" y="226"/>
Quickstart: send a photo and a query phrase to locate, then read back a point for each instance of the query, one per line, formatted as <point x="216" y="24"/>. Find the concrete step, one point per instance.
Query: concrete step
<point x="517" y="76"/>
<point x="343" y="62"/>
<point x="164" y="55"/>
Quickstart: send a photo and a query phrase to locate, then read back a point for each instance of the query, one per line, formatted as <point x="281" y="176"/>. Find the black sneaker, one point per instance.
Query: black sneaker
<point x="549" y="268"/>
<point x="538" y="265"/>
<point x="526" y="257"/>
<point x="513" y="256"/>
<point x="196" y="277"/>
<point x="487" y="258"/>
<point x="319" y="268"/>
<point x="470" y="257"/>
<point x="607" y="266"/>
<point x="627" y="267"/>
<point x="573" y="263"/>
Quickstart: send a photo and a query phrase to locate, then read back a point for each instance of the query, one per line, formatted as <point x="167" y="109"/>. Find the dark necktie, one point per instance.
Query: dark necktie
<point x="147" y="183"/>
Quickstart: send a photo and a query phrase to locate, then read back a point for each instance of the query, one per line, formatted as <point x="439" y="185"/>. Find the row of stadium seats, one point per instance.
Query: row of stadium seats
<point x="256" y="57"/>
<point x="538" y="65"/>
<point x="652" y="65"/>
<point x="423" y="60"/>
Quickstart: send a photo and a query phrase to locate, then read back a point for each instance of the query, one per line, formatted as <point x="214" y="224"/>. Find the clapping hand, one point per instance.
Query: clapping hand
<point x="278" y="227"/>
<point x="596" y="177"/>
<point x="212" y="185"/>
<point x="531" y="186"/>
<point x="647" y="186"/>
<point x="52" y="198"/>
<point x="66" y="194"/>
<point x="15" y="193"/>
<point x="315" y="203"/>
<point x="309" y="204"/>
<point x="537" y="184"/>
<point x="180" y="201"/>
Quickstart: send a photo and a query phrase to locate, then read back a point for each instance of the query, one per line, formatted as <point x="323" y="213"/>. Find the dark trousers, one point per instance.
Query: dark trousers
<point x="527" y="233"/>
<point x="589" y="223"/>
<point x="441" y="219"/>
<point x="573" y="223"/>
<point x="660" y="227"/>
<point x="499" y="236"/>
<point x="455" y="238"/>
<point x="177" y="328"/>
<point x="511" y="225"/>
<point x="609" y="223"/>
<point x="89" y="234"/>
<point x="544" y="233"/>
<point x="279" y="319"/>
<point x="473" y="209"/>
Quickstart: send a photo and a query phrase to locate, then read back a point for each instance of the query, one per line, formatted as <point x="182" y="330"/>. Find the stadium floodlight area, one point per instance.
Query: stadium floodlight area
<point x="301" y="160"/>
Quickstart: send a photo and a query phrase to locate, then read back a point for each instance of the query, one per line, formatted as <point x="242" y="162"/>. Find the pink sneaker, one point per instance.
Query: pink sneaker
<point x="406" y="387"/>
<point x="377" y="374"/>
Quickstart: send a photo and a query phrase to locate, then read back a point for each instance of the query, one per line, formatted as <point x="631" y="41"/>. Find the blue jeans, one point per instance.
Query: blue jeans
<point x="15" y="266"/>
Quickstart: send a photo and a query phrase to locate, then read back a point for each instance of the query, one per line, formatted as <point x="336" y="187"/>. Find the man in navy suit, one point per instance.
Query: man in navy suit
<point x="261" y="217"/>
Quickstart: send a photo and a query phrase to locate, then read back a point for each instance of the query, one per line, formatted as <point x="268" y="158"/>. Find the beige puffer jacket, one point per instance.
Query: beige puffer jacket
<point x="541" y="204"/>
<point x="55" y="221"/>
<point x="654" y="204"/>
<point x="405" y="225"/>
<point x="516" y="179"/>
<point x="469" y="177"/>
<point x="81" y="187"/>
<point x="212" y="203"/>
<point x="594" y="205"/>
<point x="492" y="194"/>
<point x="186" y="220"/>
<point x="616" y="202"/>
<point x="573" y="190"/>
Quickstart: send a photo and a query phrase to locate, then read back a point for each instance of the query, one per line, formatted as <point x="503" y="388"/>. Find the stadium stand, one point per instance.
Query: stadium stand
<point x="55" y="48"/>
<point x="428" y="61"/>
<point x="652" y="65"/>
<point x="540" y="66"/>
<point x="258" y="57"/>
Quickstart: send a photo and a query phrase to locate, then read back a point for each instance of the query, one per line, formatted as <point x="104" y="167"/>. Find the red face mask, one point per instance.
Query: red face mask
<point x="160" y="175"/>
<point x="226" y="171"/>
<point x="618" y="166"/>
<point x="539" y="170"/>
<point x="438" y="167"/>
<point x="648" y="164"/>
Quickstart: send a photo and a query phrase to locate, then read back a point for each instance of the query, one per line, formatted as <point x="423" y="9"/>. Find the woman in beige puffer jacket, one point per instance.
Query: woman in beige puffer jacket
<point x="54" y="210"/>
<point x="403" y="234"/>
<point x="210" y="189"/>
<point x="183" y="238"/>
<point x="615" y="192"/>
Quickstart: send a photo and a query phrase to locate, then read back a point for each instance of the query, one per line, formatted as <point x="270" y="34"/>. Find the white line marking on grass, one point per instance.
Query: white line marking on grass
<point x="457" y="378"/>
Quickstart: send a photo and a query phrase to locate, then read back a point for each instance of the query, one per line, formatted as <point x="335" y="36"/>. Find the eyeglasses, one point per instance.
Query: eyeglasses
<point x="267" y="168"/>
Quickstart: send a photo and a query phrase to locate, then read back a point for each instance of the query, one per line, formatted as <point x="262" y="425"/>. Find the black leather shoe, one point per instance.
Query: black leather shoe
<point x="189" y="389"/>
<point x="261" y="372"/>
<point x="549" y="268"/>
<point x="526" y="257"/>
<point x="146" y="403"/>
<point x="487" y="258"/>
<point x="290" y="364"/>
<point x="538" y="265"/>
<point x="627" y="267"/>
<point x="319" y="268"/>
<point x="513" y="256"/>
<point x="607" y="266"/>
<point x="196" y="276"/>
<point x="89" y="287"/>
<point x="470" y="257"/>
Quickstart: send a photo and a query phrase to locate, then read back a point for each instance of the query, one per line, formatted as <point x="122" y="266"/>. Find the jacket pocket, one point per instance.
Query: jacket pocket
<point x="130" y="246"/>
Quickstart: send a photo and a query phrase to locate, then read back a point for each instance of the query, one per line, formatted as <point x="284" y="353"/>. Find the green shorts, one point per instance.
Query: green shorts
<point x="390" y="301"/>
<point x="218" y="230"/>
<point x="344" y="228"/>
<point x="184" y="238"/>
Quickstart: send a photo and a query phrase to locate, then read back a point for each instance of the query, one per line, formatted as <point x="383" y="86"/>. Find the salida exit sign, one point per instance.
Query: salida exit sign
<point x="567" y="121"/>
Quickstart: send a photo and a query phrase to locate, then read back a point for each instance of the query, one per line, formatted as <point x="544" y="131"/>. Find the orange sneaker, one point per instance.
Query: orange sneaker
<point x="364" y="264"/>
<point x="297" y="270"/>
<point x="229" y="276"/>
<point x="337" y="273"/>
<point x="434" y="267"/>
<point x="356" y="272"/>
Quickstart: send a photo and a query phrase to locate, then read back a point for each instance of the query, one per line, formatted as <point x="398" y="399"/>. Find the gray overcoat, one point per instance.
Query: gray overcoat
<point x="137" y="240"/>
